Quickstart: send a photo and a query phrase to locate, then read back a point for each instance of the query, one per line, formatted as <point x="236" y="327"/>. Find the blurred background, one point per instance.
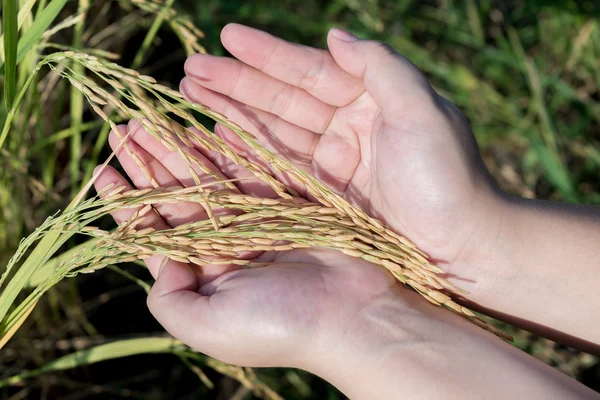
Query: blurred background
<point x="525" y="73"/>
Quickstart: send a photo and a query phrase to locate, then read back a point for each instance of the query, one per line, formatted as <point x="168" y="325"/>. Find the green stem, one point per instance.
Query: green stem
<point x="77" y="103"/>
<point x="11" y="41"/>
<point x="139" y="57"/>
<point x="11" y="114"/>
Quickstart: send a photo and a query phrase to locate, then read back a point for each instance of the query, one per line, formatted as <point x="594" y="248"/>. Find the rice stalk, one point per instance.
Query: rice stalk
<point x="182" y="25"/>
<point x="139" y="57"/>
<point x="246" y="377"/>
<point x="76" y="104"/>
<point x="11" y="40"/>
<point x="103" y="352"/>
<point x="146" y="345"/>
<point x="242" y="224"/>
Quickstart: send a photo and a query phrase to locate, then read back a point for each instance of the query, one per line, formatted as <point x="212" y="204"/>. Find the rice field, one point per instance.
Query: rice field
<point x="525" y="76"/>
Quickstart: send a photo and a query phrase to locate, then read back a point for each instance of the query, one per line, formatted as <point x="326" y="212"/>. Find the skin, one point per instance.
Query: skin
<point x="365" y="121"/>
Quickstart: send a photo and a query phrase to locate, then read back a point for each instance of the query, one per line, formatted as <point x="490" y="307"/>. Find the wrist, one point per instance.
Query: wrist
<point x="542" y="262"/>
<point x="389" y="348"/>
<point x="487" y="267"/>
<point x="402" y="346"/>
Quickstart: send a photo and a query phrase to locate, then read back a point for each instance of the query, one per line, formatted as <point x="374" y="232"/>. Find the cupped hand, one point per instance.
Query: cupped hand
<point x="359" y="117"/>
<point x="279" y="315"/>
<point x="364" y="120"/>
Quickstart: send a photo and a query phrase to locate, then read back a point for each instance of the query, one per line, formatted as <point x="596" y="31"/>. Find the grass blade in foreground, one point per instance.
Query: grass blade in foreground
<point x="10" y="11"/>
<point x="148" y="345"/>
<point x="41" y="23"/>
<point x="104" y="352"/>
<point x="24" y="12"/>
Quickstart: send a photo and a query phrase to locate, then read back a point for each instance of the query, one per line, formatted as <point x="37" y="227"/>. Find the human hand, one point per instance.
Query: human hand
<point x="364" y="120"/>
<point x="321" y="310"/>
<point x="367" y="105"/>
<point x="351" y="118"/>
<point x="279" y="315"/>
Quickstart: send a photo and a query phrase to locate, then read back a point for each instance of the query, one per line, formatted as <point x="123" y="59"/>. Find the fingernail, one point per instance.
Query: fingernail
<point x="195" y="66"/>
<point x="343" y="34"/>
<point x="162" y="266"/>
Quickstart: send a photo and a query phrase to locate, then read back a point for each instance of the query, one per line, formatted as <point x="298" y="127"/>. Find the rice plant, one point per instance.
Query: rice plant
<point x="354" y="232"/>
<point x="238" y="224"/>
<point x="34" y="68"/>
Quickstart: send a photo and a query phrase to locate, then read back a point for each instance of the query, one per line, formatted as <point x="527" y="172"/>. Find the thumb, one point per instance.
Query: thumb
<point x="175" y="302"/>
<point x="390" y="78"/>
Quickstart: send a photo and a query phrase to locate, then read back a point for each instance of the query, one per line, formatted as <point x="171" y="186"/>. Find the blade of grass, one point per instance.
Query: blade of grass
<point x="41" y="23"/>
<point x="54" y="124"/>
<point x="96" y="150"/>
<point x="12" y="111"/>
<point x="555" y="170"/>
<point x="76" y="105"/>
<point x="139" y="57"/>
<point x="104" y="352"/>
<point x="198" y="371"/>
<point x="61" y="135"/>
<point x="10" y="10"/>
<point x="23" y="12"/>
<point x="549" y="154"/>
<point x="40" y="255"/>
<point x="46" y="270"/>
<point x="131" y="277"/>
<point x="475" y="23"/>
<point x="15" y="327"/>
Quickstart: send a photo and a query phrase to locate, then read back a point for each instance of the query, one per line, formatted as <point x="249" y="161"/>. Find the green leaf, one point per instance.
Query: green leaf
<point x="23" y="13"/>
<point x="10" y="22"/>
<point x="41" y="23"/>
<point x="104" y="352"/>
<point x="40" y="255"/>
<point x="554" y="169"/>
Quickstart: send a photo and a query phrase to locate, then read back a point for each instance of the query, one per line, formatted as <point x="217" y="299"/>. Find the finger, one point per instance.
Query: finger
<point x="176" y="304"/>
<point x="173" y="214"/>
<point x="245" y="180"/>
<point x="174" y="161"/>
<point x="151" y="169"/>
<point x="292" y="142"/>
<point x="241" y="148"/>
<point x="256" y="89"/>
<point x="385" y="73"/>
<point x="107" y="176"/>
<point x="335" y="171"/>
<point x="178" y="167"/>
<point x="313" y="70"/>
<point x="306" y="150"/>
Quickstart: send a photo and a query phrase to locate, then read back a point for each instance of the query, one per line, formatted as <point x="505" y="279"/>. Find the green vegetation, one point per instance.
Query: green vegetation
<point x="526" y="76"/>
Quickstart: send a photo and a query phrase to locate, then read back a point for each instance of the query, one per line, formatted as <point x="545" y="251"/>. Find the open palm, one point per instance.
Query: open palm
<point x="360" y="118"/>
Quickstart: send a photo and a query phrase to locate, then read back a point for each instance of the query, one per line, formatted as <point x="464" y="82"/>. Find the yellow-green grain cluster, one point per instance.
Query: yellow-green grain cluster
<point x="250" y="224"/>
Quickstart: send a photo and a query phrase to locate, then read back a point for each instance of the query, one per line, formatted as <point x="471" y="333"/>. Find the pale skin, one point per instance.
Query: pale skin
<point x="364" y="120"/>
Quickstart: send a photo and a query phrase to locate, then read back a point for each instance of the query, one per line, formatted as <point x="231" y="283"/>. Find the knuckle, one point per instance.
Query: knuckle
<point x="452" y="112"/>
<point x="381" y="48"/>
<point x="310" y="77"/>
<point x="268" y="56"/>
<point x="151" y="303"/>
<point x="282" y="101"/>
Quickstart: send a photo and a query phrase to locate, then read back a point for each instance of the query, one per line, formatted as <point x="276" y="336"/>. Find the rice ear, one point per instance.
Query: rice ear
<point x="249" y="223"/>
